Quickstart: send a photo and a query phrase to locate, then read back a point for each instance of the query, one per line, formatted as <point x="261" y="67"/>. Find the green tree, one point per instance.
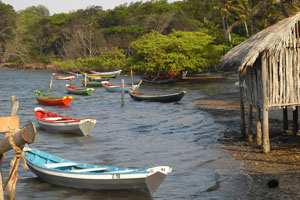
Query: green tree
<point x="178" y="51"/>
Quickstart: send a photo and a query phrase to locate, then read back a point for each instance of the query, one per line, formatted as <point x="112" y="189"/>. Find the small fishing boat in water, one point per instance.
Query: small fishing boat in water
<point x="59" y="77"/>
<point x="172" y="97"/>
<point x="67" y="173"/>
<point x="80" y="91"/>
<point x="112" y="74"/>
<point x="91" y="83"/>
<point x="49" y="100"/>
<point x="117" y="88"/>
<point x="58" y="123"/>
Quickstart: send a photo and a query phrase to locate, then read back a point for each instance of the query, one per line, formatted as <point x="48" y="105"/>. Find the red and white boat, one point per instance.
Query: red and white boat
<point x="58" y="123"/>
<point x="59" y="77"/>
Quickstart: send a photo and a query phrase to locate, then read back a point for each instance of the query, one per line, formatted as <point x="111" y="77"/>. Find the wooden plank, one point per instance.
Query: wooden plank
<point x="55" y="165"/>
<point x="243" y="124"/>
<point x="89" y="170"/>
<point x="8" y="123"/>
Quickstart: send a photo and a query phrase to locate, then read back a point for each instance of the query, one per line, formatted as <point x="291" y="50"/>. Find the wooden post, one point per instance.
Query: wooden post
<point x="70" y="81"/>
<point x="50" y="88"/>
<point x="250" y="131"/>
<point x="132" y="83"/>
<point x="295" y="121"/>
<point x="15" y="106"/>
<point x="243" y="124"/>
<point x="258" y="127"/>
<point x="122" y="92"/>
<point x="25" y="136"/>
<point x="1" y="184"/>
<point x="285" y="119"/>
<point x="138" y="86"/>
<point x="266" y="139"/>
<point x="85" y="80"/>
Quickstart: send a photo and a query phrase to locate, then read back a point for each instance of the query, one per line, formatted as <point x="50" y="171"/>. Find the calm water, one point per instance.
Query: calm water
<point x="138" y="135"/>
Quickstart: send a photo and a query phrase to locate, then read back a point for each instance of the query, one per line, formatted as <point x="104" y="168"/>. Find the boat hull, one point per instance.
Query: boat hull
<point x="49" y="101"/>
<point x="158" y="98"/>
<point x="79" y="91"/>
<point x="102" y="178"/>
<point x="82" y="128"/>
<point x="117" y="88"/>
<point x="91" y="83"/>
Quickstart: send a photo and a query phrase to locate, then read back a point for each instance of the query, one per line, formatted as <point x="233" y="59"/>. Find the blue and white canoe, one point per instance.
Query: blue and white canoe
<point x="118" y="72"/>
<point x="117" y="88"/>
<point x="66" y="173"/>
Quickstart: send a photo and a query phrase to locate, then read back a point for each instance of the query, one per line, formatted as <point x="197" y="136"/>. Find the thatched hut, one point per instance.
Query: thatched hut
<point x="268" y="64"/>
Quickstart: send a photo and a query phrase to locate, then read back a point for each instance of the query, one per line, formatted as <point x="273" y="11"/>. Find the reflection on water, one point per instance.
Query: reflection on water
<point x="138" y="135"/>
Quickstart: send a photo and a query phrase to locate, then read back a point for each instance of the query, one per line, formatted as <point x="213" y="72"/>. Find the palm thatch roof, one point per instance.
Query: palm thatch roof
<point x="274" y="38"/>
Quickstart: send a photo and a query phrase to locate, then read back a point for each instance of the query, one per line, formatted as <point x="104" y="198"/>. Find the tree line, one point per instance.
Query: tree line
<point x="154" y="36"/>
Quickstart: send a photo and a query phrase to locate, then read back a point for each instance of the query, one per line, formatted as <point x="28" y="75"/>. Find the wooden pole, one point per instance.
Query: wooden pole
<point x="250" y="131"/>
<point x="1" y="184"/>
<point x="132" y="83"/>
<point x="266" y="139"/>
<point x="15" y="106"/>
<point x="285" y="119"/>
<point x="85" y="80"/>
<point x="295" y="121"/>
<point x="122" y="92"/>
<point x="258" y="127"/>
<point x="243" y="124"/>
<point x="70" y="81"/>
<point x="26" y="135"/>
<point x="50" y="88"/>
<point x="138" y="86"/>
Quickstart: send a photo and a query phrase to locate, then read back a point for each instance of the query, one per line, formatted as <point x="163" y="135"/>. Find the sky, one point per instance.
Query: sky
<point x="65" y="6"/>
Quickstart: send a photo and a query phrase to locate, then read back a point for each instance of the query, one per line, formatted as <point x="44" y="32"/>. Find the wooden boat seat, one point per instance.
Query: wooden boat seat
<point x="89" y="170"/>
<point x="53" y="118"/>
<point x="55" y="165"/>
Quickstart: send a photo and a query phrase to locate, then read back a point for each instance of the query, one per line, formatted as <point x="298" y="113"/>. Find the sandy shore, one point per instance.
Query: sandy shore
<point x="282" y="164"/>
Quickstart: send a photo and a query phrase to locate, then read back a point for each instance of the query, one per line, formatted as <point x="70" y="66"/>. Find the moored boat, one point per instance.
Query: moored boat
<point x="117" y="88"/>
<point x="67" y="173"/>
<point x="91" y="83"/>
<point x="58" y="123"/>
<point x="97" y="76"/>
<point x="49" y="100"/>
<point x="103" y="74"/>
<point x="80" y="91"/>
<point x="59" y="77"/>
<point x="172" y="97"/>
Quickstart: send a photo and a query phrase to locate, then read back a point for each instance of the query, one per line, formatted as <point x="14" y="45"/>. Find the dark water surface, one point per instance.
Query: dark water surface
<point x="138" y="135"/>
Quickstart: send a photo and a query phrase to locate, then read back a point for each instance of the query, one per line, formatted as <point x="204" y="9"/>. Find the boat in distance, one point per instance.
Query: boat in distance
<point x="80" y="91"/>
<point x="59" y="77"/>
<point x="49" y="100"/>
<point x="172" y="97"/>
<point x="91" y="83"/>
<point x="103" y="74"/>
<point x="58" y="123"/>
<point x="117" y="88"/>
<point x="66" y="173"/>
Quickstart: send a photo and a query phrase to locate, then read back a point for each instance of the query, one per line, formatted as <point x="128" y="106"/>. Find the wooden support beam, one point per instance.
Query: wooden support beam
<point x="250" y="131"/>
<point x="266" y="138"/>
<point x="295" y="121"/>
<point x="258" y="127"/>
<point x="285" y="119"/>
<point x="243" y="124"/>
<point x="26" y="135"/>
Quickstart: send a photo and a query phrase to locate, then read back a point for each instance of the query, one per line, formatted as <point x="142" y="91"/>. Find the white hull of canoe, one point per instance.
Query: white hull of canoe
<point x="83" y="127"/>
<point x="107" y="73"/>
<point x="143" y="182"/>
